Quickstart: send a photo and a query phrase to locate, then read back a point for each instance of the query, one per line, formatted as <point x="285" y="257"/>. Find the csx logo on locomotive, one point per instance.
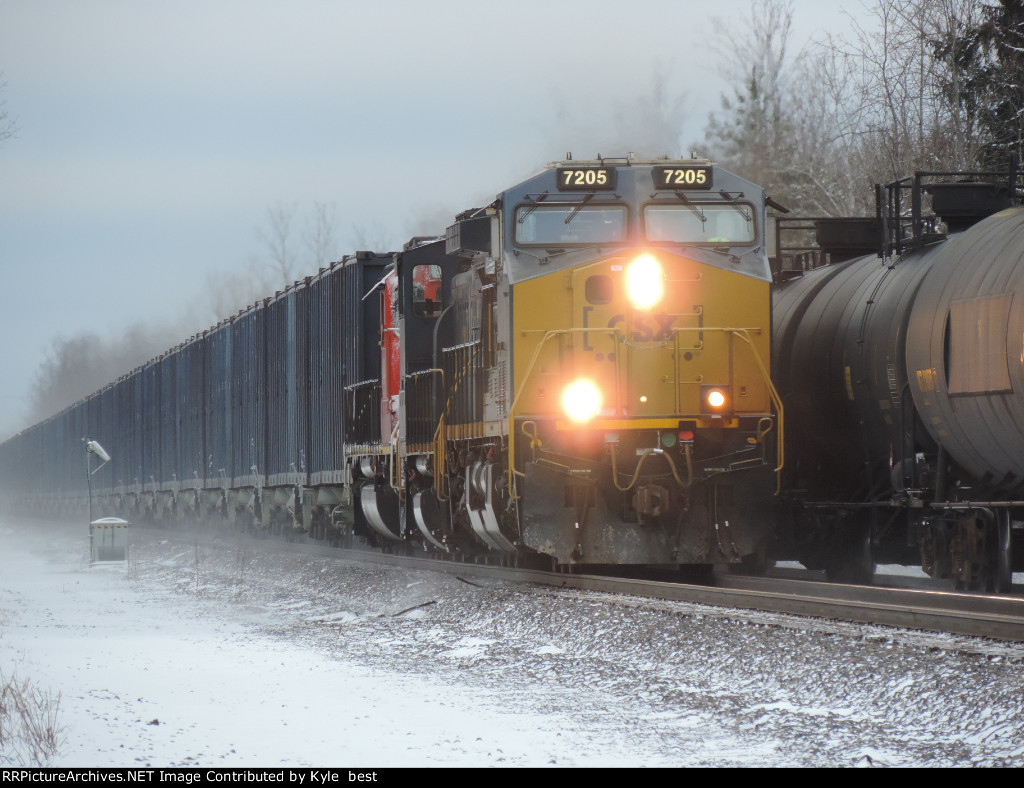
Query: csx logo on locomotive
<point x="640" y="328"/>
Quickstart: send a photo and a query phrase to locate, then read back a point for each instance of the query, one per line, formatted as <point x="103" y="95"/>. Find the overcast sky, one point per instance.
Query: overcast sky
<point x="155" y="136"/>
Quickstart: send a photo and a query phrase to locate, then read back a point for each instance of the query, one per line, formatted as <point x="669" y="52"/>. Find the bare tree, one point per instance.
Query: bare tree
<point x="954" y="21"/>
<point x="753" y="133"/>
<point x="373" y="236"/>
<point x="279" y="243"/>
<point x="80" y="365"/>
<point x="868" y="106"/>
<point x="826" y="176"/>
<point x="320" y="235"/>
<point x="890" y="74"/>
<point x="228" y="291"/>
<point x="8" y="125"/>
<point x="908" y="121"/>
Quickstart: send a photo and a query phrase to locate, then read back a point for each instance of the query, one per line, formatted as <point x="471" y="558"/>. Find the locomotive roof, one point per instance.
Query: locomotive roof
<point x="724" y="180"/>
<point x="632" y="184"/>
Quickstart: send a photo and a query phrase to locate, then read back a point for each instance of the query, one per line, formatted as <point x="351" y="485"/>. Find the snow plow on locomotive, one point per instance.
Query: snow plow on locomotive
<point x="577" y="371"/>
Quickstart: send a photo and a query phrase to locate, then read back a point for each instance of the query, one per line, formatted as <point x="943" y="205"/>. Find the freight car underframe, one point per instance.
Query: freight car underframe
<point x="976" y="544"/>
<point x="253" y="506"/>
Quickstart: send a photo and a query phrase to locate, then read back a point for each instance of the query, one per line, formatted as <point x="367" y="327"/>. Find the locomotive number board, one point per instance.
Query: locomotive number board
<point x="586" y="178"/>
<point x="682" y="177"/>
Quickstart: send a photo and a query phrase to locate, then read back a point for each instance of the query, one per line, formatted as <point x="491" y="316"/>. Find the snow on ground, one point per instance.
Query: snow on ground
<point x="222" y="652"/>
<point x="898" y="570"/>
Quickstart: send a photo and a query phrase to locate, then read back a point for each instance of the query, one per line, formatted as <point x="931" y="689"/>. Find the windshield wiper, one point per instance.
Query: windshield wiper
<point x="578" y="208"/>
<point x="553" y="252"/>
<point x="686" y="201"/>
<point x="532" y="208"/>
<point x="733" y="258"/>
<point x="731" y="200"/>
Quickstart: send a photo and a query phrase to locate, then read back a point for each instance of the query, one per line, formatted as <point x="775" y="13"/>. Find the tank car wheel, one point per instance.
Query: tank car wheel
<point x="851" y="561"/>
<point x="1002" y="575"/>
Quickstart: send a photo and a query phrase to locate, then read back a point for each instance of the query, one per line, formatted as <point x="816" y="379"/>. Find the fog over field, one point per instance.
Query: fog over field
<point x="162" y="152"/>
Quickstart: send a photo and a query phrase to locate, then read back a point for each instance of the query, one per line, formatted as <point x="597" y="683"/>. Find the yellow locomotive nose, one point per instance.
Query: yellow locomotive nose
<point x="581" y="400"/>
<point x="645" y="282"/>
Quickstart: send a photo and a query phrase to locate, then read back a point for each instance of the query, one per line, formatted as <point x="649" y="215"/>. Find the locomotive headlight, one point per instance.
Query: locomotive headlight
<point x="645" y="282"/>
<point x="581" y="400"/>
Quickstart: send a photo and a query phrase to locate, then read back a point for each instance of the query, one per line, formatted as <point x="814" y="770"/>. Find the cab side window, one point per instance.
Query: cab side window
<point x="427" y="293"/>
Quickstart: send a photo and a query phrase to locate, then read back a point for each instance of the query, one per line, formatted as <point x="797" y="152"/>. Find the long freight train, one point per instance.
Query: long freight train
<point x="578" y="371"/>
<point x="901" y="367"/>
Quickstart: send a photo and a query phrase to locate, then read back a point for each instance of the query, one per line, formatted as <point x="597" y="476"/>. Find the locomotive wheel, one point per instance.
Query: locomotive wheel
<point x="697" y="574"/>
<point x="851" y="561"/>
<point x="755" y="564"/>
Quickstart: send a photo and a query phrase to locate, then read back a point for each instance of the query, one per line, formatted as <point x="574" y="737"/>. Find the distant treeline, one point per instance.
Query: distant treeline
<point x="925" y="85"/>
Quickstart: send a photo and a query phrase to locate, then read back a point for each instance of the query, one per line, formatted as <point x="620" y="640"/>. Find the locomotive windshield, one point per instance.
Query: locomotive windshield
<point x="700" y="223"/>
<point x="546" y="225"/>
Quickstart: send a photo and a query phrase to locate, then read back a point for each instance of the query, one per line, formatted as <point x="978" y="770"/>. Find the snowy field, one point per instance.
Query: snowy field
<point x="225" y="653"/>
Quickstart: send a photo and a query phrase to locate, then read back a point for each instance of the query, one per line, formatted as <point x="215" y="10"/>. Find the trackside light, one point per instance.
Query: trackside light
<point x="645" y="282"/>
<point x="581" y="400"/>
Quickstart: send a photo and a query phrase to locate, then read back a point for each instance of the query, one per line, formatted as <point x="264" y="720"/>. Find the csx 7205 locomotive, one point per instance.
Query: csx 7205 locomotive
<point x="579" y="370"/>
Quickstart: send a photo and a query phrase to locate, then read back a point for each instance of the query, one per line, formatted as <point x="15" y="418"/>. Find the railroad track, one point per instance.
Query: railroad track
<point x="985" y="616"/>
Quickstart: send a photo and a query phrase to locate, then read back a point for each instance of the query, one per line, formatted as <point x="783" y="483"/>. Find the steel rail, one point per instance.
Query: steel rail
<point x="975" y="615"/>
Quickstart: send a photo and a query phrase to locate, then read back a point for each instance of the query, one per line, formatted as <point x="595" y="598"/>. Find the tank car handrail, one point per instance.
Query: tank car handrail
<point x="959" y="505"/>
<point x="901" y="232"/>
<point x="742" y="333"/>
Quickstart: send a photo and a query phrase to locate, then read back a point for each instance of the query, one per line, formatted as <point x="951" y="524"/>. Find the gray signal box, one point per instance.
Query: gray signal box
<point x="108" y="540"/>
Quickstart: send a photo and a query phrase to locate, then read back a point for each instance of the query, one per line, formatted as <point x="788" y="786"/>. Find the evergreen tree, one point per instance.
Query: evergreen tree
<point x="753" y="134"/>
<point x="990" y="56"/>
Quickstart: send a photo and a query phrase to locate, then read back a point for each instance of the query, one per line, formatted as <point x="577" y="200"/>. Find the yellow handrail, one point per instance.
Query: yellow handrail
<point x="742" y="333"/>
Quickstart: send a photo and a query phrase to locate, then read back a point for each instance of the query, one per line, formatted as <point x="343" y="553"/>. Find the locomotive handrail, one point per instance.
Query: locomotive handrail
<point x="438" y="437"/>
<point x="440" y="434"/>
<point x="742" y="333"/>
<point x="440" y="459"/>
<point x="775" y="398"/>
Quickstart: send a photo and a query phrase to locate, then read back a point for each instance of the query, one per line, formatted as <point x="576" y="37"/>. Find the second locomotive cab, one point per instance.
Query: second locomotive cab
<point x="578" y="370"/>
